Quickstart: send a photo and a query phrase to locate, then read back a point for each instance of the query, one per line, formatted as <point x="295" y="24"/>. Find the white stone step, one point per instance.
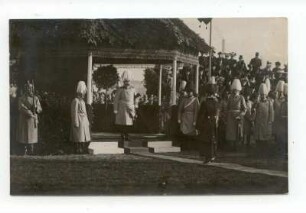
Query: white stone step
<point x="112" y="144"/>
<point x="159" y="144"/>
<point x="112" y="151"/>
<point x="96" y="148"/>
<point x="164" y="149"/>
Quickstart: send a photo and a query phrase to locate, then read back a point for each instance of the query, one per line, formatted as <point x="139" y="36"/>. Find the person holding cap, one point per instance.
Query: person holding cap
<point x="80" y="132"/>
<point x="124" y="106"/>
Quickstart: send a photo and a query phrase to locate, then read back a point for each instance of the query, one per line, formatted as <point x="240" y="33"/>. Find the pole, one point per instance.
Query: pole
<point x="197" y="79"/>
<point x="223" y="45"/>
<point x="174" y="82"/>
<point x="210" y="52"/>
<point x="89" y="79"/>
<point x="160" y="85"/>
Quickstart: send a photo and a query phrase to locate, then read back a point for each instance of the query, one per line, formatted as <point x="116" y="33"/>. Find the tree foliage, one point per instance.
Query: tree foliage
<point x="106" y="77"/>
<point x="151" y="80"/>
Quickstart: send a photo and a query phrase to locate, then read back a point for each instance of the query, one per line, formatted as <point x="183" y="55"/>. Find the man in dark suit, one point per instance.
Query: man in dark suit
<point x="255" y="63"/>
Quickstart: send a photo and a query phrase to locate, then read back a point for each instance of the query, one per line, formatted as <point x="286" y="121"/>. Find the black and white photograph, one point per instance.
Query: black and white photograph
<point x="152" y="106"/>
<point x="148" y="106"/>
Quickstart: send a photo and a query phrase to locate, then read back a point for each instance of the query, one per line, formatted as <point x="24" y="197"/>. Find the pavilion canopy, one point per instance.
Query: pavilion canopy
<point x="36" y="36"/>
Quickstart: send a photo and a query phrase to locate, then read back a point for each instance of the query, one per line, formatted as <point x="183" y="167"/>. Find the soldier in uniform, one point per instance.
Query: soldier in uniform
<point x="187" y="115"/>
<point x="207" y="123"/>
<point x="255" y="63"/>
<point x="280" y="98"/>
<point x="236" y="109"/>
<point x="80" y="130"/>
<point x="27" y="128"/>
<point x="263" y="117"/>
<point x="283" y="124"/>
<point x="241" y="67"/>
<point x="124" y="106"/>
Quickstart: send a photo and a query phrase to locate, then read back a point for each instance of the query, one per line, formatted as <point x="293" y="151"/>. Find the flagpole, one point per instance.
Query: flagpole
<point x="210" y="52"/>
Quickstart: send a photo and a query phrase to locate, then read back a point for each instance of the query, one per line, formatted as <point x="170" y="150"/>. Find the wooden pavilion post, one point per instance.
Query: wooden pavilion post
<point x="89" y="79"/>
<point x="197" y="79"/>
<point x="160" y="85"/>
<point x="174" y="82"/>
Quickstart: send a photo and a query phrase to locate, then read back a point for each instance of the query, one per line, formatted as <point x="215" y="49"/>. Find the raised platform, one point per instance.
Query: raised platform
<point x="110" y="143"/>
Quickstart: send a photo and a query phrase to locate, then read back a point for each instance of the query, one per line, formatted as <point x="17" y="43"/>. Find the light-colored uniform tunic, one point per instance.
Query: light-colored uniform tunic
<point x="187" y="114"/>
<point x="79" y="122"/>
<point x="264" y="116"/>
<point x="27" y="127"/>
<point x="124" y="106"/>
<point x="236" y="107"/>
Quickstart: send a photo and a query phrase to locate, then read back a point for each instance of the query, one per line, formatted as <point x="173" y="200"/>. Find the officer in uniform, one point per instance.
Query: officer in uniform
<point x="27" y="129"/>
<point x="124" y="106"/>
<point x="207" y="123"/>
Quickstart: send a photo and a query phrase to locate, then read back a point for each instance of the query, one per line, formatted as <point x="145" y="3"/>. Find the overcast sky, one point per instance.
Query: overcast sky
<point x="246" y="36"/>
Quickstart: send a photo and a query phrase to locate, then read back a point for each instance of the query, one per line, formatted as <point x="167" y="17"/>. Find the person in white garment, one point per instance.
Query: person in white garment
<point x="80" y="132"/>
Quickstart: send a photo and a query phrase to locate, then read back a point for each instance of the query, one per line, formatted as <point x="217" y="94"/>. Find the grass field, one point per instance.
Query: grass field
<point x="131" y="175"/>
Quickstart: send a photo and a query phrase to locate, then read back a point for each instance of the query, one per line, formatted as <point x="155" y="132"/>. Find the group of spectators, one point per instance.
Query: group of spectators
<point x="239" y="103"/>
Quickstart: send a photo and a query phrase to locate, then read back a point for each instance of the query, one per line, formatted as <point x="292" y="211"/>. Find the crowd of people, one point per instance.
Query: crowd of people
<point x="238" y="103"/>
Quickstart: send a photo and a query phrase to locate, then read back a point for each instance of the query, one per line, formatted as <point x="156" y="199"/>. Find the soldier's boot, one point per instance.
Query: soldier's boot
<point x="31" y="148"/>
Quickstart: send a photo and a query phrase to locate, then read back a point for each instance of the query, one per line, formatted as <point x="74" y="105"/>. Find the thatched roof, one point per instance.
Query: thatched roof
<point x="139" y="34"/>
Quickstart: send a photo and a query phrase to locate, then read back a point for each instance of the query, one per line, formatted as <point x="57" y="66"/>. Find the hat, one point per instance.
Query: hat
<point x="285" y="89"/>
<point x="236" y="85"/>
<point x="263" y="90"/>
<point x="280" y="86"/>
<point x="126" y="76"/>
<point x="268" y="84"/>
<point x="81" y="88"/>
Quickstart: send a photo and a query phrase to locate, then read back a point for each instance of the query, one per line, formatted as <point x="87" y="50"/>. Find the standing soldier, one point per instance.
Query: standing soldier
<point x="283" y="124"/>
<point x="187" y="114"/>
<point x="207" y="123"/>
<point x="236" y="109"/>
<point x="255" y="64"/>
<point x="263" y="116"/>
<point x="27" y="130"/>
<point x="124" y="106"/>
<point x="277" y="130"/>
<point x="248" y="122"/>
<point x="80" y="132"/>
